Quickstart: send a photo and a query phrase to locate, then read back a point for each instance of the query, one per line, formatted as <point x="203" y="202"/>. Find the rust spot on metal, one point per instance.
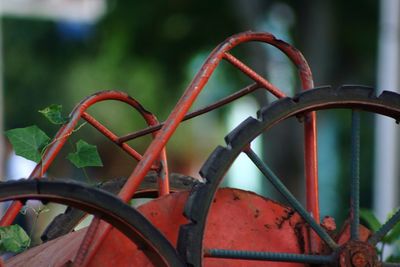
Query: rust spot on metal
<point x="256" y="213"/>
<point x="358" y="254"/>
<point x="299" y="232"/>
<point x="359" y="260"/>
<point x="281" y="220"/>
<point x="69" y="263"/>
<point x="329" y="223"/>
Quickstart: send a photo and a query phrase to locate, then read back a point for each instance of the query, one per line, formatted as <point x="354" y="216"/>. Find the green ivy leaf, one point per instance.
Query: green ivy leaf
<point x="53" y="114"/>
<point x="86" y="155"/>
<point x="13" y="239"/>
<point x="28" y="142"/>
<point x="369" y="217"/>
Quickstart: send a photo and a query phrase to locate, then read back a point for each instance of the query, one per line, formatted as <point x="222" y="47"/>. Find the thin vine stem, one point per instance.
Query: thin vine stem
<point x="61" y="137"/>
<point x="44" y="149"/>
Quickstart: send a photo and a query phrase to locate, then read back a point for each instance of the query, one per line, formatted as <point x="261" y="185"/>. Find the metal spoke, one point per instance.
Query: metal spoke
<point x="290" y="198"/>
<point x="355" y="175"/>
<point x="268" y="256"/>
<point x="376" y="237"/>
<point x="390" y="264"/>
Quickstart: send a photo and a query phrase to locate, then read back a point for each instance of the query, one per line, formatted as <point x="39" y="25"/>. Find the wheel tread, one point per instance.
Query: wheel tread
<point x="191" y="235"/>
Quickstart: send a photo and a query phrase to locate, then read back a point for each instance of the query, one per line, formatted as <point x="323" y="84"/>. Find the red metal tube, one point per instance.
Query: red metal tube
<point x="254" y="75"/>
<point x="67" y="129"/>
<point x="110" y="135"/>
<point x="242" y="92"/>
<point x="80" y="256"/>
<point x="311" y="165"/>
<point x="310" y="129"/>
<point x="189" y="96"/>
<point x="163" y="175"/>
<point x="195" y="88"/>
<point x="185" y="102"/>
<point x="163" y="184"/>
<point x="102" y="230"/>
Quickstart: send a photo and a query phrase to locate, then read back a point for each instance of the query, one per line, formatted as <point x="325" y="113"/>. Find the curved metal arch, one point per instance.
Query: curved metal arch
<point x="66" y="130"/>
<point x="198" y="84"/>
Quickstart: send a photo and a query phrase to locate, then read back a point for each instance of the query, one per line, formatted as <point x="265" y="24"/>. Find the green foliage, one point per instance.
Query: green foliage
<point x="369" y="217"/>
<point x="392" y="238"/>
<point x="394" y="258"/>
<point x="53" y="114"/>
<point x="28" y="142"/>
<point x="85" y="155"/>
<point x="13" y="239"/>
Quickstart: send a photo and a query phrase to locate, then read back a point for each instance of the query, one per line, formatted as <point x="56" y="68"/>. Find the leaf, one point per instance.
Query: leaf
<point x="393" y="259"/>
<point x="53" y="114"/>
<point x="13" y="239"/>
<point x="369" y="217"/>
<point x="86" y="155"/>
<point x="28" y="142"/>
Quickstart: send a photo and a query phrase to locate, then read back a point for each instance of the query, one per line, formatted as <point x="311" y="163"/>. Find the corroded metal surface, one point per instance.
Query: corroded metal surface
<point x="264" y="225"/>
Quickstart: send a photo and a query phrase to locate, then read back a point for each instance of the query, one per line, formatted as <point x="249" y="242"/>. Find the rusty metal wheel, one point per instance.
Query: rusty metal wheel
<point x="102" y="204"/>
<point x="65" y="222"/>
<point x="354" y="251"/>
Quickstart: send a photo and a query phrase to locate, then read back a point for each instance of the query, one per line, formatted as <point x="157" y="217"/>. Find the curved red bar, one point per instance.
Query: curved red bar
<point x="156" y="149"/>
<point x="186" y="101"/>
<point x="195" y="88"/>
<point x="310" y="129"/>
<point x="67" y="129"/>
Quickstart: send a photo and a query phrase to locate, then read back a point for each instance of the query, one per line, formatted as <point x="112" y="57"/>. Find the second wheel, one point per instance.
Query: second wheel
<point x="337" y="249"/>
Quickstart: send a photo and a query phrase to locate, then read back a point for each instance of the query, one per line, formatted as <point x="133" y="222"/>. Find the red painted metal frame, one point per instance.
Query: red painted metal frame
<point x="66" y="130"/>
<point x="197" y="85"/>
<point x="155" y="153"/>
<point x="185" y="102"/>
<point x="242" y="92"/>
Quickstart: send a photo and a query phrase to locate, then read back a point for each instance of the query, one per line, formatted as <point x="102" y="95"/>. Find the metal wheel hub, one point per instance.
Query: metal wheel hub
<point x="358" y="254"/>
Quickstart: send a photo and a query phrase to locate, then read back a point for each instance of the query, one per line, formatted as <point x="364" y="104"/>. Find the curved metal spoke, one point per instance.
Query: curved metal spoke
<point x="376" y="237"/>
<point x="268" y="256"/>
<point x="355" y="175"/>
<point x="290" y="198"/>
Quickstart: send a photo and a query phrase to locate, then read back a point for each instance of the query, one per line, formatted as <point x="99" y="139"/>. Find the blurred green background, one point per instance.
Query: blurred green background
<point x="152" y="49"/>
